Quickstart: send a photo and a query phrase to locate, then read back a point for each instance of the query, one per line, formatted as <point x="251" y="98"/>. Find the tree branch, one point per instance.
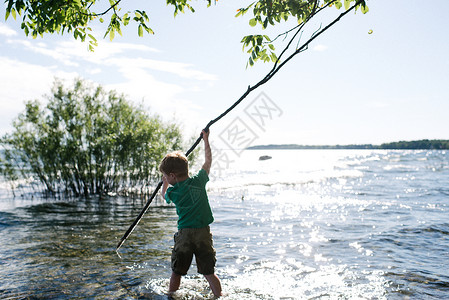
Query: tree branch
<point x="304" y="46"/>
<point x="270" y="75"/>
<point x="302" y="24"/>
<point x="105" y="12"/>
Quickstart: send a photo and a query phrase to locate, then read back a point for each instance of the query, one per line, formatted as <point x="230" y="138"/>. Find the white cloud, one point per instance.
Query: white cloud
<point x="94" y="71"/>
<point x="73" y="53"/>
<point x="103" y="51"/>
<point x="378" y="104"/>
<point x="163" y="98"/>
<point x="6" y="30"/>
<point x="23" y="82"/>
<point x="320" y="48"/>
<point x="181" y="69"/>
<point x="42" y="48"/>
<point x="133" y="72"/>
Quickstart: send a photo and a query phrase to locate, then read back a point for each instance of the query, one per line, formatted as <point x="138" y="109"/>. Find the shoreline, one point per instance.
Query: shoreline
<point x="401" y="145"/>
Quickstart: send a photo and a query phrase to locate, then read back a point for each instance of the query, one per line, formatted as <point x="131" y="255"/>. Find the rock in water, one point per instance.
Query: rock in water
<point x="265" y="157"/>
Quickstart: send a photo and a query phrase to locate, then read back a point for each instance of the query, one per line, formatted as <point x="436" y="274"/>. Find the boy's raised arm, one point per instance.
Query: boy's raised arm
<point x="164" y="186"/>
<point x="207" y="152"/>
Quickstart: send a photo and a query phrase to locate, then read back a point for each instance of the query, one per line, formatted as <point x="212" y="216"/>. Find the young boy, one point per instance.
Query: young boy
<point x="194" y="216"/>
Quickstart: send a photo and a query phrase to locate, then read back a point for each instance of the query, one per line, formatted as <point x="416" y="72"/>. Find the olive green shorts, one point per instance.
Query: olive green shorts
<point x="189" y="242"/>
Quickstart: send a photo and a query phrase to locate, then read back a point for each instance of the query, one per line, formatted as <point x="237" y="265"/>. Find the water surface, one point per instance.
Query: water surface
<point x="307" y="224"/>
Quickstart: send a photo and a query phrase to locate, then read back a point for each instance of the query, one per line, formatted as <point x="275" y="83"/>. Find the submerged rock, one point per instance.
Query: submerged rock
<point x="265" y="157"/>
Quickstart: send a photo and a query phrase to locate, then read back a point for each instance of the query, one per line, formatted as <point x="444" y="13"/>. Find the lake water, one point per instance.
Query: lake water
<point x="306" y="224"/>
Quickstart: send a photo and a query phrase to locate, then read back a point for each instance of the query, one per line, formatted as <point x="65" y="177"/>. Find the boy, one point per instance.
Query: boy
<point x="194" y="216"/>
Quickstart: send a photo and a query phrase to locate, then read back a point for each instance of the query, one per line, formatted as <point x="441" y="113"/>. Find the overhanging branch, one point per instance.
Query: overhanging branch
<point x="112" y="7"/>
<point x="270" y="75"/>
<point x="277" y="67"/>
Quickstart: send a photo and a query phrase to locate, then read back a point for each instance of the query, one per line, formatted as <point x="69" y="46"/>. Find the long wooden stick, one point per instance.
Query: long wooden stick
<point x="139" y="217"/>
<point x="270" y="75"/>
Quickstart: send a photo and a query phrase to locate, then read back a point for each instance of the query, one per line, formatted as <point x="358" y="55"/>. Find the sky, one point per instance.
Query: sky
<point x="371" y="78"/>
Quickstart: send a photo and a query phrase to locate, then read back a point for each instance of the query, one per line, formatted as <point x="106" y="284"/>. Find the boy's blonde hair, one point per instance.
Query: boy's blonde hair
<point x="175" y="162"/>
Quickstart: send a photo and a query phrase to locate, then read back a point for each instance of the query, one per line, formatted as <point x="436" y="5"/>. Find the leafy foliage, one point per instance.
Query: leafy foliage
<point x="268" y="13"/>
<point x="75" y="17"/>
<point x="87" y="141"/>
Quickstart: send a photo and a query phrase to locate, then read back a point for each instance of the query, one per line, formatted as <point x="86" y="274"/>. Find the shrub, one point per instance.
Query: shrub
<point x="87" y="141"/>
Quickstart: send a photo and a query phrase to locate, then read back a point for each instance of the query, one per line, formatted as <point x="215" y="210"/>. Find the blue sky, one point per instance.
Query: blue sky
<point x="348" y="87"/>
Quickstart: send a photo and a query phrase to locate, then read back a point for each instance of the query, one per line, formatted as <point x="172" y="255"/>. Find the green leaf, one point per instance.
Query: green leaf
<point x="140" y="30"/>
<point x="19" y="6"/>
<point x="365" y="8"/>
<point x="253" y="22"/>
<point x="265" y="23"/>
<point x="111" y="34"/>
<point x="144" y="14"/>
<point x="13" y="13"/>
<point x="126" y="19"/>
<point x="148" y="29"/>
<point x="77" y="3"/>
<point x="92" y="37"/>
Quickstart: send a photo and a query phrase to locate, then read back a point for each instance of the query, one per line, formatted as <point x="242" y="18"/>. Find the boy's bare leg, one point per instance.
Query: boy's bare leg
<point x="214" y="284"/>
<point x="175" y="281"/>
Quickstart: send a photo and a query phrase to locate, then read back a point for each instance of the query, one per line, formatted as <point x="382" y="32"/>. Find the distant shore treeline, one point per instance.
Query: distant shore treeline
<point x="402" y="145"/>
